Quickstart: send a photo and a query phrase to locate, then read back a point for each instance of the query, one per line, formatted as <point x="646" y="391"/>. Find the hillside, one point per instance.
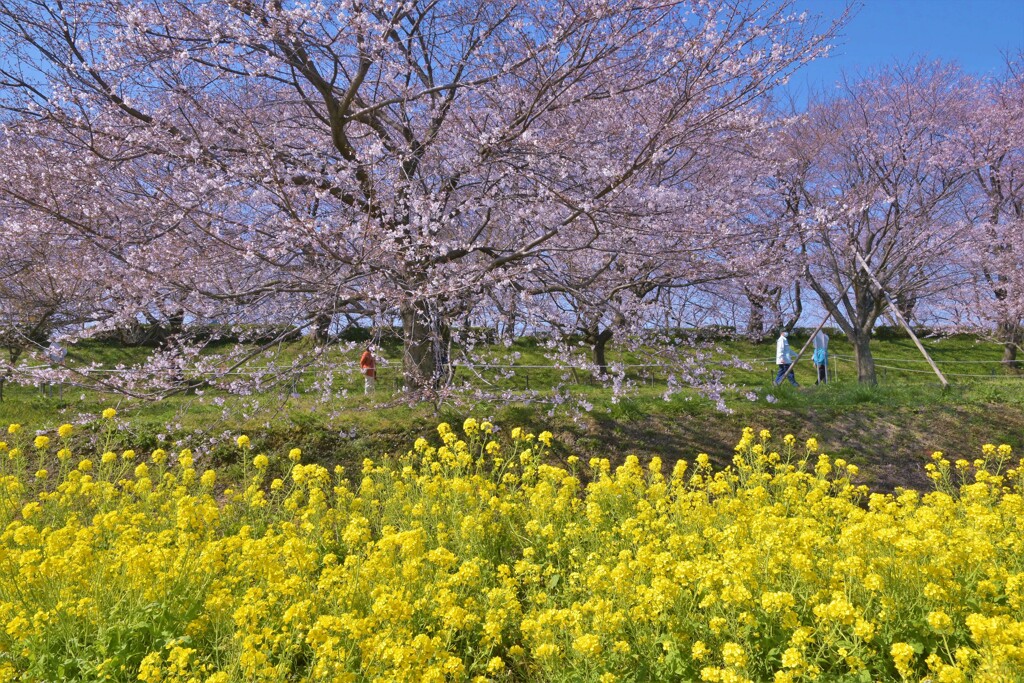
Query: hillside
<point x="888" y="431"/>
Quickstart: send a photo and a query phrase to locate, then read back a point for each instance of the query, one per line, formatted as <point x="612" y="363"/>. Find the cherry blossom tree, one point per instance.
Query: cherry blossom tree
<point x="994" y="137"/>
<point x="884" y="173"/>
<point x="45" y="289"/>
<point x="768" y="262"/>
<point x="623" y="279"/>
<point x="264" y="162"/>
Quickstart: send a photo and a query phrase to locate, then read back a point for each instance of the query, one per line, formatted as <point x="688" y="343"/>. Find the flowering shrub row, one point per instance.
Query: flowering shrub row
<point x="473" y="559"/>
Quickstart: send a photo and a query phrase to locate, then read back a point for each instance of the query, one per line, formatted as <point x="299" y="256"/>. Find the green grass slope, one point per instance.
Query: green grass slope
<point x="887" y="430"/>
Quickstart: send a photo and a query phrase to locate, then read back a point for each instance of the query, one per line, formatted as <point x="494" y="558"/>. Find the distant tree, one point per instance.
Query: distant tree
<point x="679" y="237"/>
<point x="43" y="291"/>
<point x="994" y="137"/>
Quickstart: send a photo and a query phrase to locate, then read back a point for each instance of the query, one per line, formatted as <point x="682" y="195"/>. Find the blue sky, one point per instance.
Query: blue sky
<point x="973" y="33"/>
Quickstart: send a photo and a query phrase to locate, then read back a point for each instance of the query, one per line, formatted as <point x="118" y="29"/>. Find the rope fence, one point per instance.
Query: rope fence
<point x="649" y="370"/>
<point x="884" y="366"/>
<point x="880" y="363"/>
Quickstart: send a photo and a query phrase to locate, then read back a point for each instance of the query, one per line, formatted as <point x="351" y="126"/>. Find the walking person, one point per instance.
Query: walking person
<point x="368" y="365"/>
<point x="783" y="358"/>
<point x="820" y="357"/>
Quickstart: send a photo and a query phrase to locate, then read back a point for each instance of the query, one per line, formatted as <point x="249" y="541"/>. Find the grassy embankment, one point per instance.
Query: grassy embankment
<point x="888" y="431"/>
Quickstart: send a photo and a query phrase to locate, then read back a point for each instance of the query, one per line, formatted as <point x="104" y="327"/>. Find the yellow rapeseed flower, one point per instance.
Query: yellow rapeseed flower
<point x="940" y="621"/>
<point x="734" y="655"/>
<point x="902" y="655"/>
<point x="439" y="556"/>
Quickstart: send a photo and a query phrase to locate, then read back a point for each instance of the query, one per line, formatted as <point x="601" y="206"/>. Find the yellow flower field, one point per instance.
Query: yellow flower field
<point x="471" y="558"/>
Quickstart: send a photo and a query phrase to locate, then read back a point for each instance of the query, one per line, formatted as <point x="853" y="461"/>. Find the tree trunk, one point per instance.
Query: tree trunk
<point x="906" y="304"/>
<point x="425" y="363"/>
<point x="599" y="342"/>
<point x="509" y="332"/>
<point x="798" y="307"/>
<point x="322" y="328"/>
<point x="755" y="323"/>
<point x="1010" y="356"/>
<point x="175" y="324"/>
<point x="865" y="361"/>
<point x="1011" y="336"/>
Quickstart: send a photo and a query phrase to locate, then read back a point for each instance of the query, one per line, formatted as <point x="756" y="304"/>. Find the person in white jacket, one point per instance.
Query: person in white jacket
<point x="783" y="357"/>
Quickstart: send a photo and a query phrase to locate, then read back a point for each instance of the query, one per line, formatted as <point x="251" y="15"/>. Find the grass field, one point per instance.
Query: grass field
<point x="887" y="430"/>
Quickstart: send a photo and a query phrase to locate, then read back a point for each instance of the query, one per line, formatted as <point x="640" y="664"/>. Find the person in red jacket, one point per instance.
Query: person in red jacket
<point x="368" y="364"/>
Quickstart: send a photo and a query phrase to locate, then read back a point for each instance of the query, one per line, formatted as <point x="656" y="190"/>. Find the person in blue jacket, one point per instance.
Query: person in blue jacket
<point x="820" y="357"/>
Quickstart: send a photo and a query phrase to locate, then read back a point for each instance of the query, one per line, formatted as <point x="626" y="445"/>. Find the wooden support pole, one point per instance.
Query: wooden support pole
<point x="899" y="316"/>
